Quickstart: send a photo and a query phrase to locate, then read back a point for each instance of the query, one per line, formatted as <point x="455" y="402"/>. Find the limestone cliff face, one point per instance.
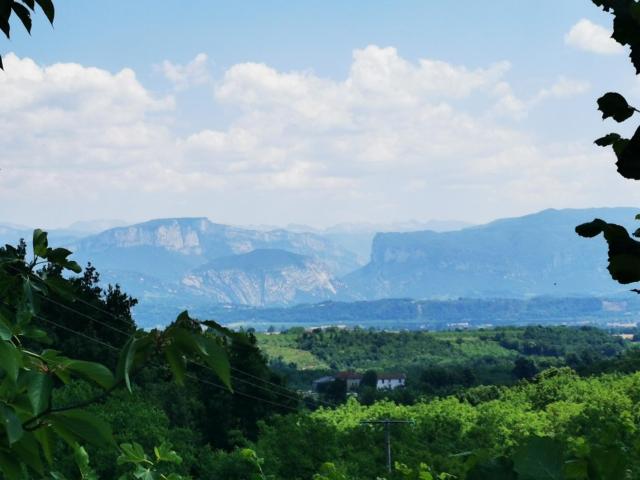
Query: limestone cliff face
<point x="538" y="254"/>
<point x="263" y="277"/>
<point x="193" y="258"/>
<point x="199" y="237"/>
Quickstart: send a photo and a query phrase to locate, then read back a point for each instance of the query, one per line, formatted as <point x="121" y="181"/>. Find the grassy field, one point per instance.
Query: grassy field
<point x="283" y="346"/>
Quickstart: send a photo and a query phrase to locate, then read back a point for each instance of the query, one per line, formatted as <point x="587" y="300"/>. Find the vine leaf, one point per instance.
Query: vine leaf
<point x="628" y="154"/>
<point x="614" y="105"/>
<point x="48" y="9"/>
<point x="23" y="14"/>
<point x="609" y="139"/>
<point x="624" y="251"/>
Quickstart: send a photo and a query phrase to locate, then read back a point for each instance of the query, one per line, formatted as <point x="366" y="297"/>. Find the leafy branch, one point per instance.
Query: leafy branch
<point x="23" y="10"/>
<point x="624" y="251"/>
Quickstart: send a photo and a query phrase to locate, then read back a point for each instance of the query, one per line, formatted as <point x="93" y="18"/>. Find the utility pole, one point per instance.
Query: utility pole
<point x="387" y="433"/>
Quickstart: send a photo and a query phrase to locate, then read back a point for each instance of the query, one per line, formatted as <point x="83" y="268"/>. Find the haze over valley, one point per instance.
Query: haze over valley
<point x="171" y="265"/>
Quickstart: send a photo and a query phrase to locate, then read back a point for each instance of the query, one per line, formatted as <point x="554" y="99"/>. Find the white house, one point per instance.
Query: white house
<point x="390" y="381"/>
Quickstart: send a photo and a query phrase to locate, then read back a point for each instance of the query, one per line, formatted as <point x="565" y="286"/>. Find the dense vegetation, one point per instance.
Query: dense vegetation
<point x="457" y="396"/>
<point x="402" y="313"/>
<point x="438" y="362"/>
<point x="86" y="394"/>
<point x="588" y="426"/>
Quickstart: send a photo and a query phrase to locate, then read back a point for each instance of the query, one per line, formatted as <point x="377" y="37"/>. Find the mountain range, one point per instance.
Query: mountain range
<point x="172" y="264"/>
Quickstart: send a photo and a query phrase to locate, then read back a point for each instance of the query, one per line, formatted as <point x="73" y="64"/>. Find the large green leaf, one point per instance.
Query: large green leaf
<point x="176" y="362"/>
<point x="39" y="386"/>
<point x="27" y="451"/>
<point x="40" y="243"/>
<point x="205" y="348"/>
<point x="6" y="332"/>
<point x="95" y="372"/>
<point x="609" y="139"/>
<point x="10" y="359"/>
<point x="47" y="8"/>
<point x="125" y="361"/>
<point x="47" y="441"/>
<point x="11" y="423"/>
<point x="614" y="105"/>
<point x="78" y="426"/>
<point x="23" y="14"/>
<point x="624" y="251"/>
<point x="81" y="457"/>
<point x="165" y="454"/>
<point x="134" y="352"/>
<point x="217" y="360"/>
<point x="132" y="453"/>
<point x="628" y="153"/>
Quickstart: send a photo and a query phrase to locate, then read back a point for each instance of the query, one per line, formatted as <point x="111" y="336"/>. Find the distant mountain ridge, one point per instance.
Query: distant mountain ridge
<point x="537" y="254"/>
<point x="192" y="263"/>
<point x="194" y="260"/>
<point x="263" y="277"/>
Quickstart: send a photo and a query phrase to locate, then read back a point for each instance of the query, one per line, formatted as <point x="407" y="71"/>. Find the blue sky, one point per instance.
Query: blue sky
<point x="309" y="112"/>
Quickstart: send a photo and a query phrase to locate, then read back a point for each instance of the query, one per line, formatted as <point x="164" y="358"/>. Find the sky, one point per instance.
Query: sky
<point x="315" y="112"/>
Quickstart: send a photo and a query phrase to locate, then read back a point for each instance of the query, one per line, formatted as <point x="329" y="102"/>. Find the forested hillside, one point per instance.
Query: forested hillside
<point x="209" y="405"/>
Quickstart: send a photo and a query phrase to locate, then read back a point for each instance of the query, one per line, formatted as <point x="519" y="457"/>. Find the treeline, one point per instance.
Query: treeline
<point x="199" y="419"/>
<point x="434" y="314"/>
<point x="556" y="426"/>
<point x="441" y="363"/>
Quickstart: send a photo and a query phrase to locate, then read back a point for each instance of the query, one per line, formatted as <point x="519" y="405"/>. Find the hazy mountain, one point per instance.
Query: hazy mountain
<point x="262" y="277"/>
<point x="190" y="261"/>
<point x="357" y="237"/>
<point x="537" y="254"/>
<point x="187" y="242"/>
<point x="11" y="234"/>
<point x="88" y="227"/>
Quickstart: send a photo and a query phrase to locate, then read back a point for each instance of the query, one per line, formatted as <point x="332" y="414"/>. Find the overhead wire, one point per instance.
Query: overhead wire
<point x="194" y="377"/>
<point x="288" y="394"/>
<point x="235" y="369"/>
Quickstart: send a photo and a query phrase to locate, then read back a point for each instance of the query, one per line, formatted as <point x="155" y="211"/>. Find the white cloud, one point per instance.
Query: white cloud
<point x="183" y="76"/>
<point x="394" y="139"/>
<point x="588" y="36"/>
<point x="510" y="105"/>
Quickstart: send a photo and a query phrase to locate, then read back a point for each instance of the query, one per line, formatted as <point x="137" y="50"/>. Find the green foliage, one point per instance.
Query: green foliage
<point x="145" y="467"/>
<point x="140" y="465"/>
<point x="624" y="251"/>
<point x="32" y="423"/>
<point x="441" y="363"/>
<point x="22" y="10"/>
<point x="558" y="426"/>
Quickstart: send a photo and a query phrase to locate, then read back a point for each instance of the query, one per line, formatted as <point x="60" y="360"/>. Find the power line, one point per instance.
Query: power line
<point x="111" y="347"/>
<point x="127" y="334"/>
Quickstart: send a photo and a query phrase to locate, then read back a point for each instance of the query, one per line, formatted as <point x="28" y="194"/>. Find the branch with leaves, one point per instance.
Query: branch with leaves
<point x="29" y="421"/>
<point x="22" y="10"/>
<point x="624" y="251"/>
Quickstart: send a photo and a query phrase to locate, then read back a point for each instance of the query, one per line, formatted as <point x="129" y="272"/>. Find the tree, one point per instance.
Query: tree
<point x="336" y="391"/>
<point x="524" y="368"/>
<point x="30" y="421"/>
<point x="369" y="379"/>
<point x="624" y="251"/>
<point x="22" y="9"/>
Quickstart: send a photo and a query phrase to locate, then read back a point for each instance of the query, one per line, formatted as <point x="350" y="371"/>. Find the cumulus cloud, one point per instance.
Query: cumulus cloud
<point x="590" y="37"/>
<point x="393" y="139"/>
<point x="183" y="76"/>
